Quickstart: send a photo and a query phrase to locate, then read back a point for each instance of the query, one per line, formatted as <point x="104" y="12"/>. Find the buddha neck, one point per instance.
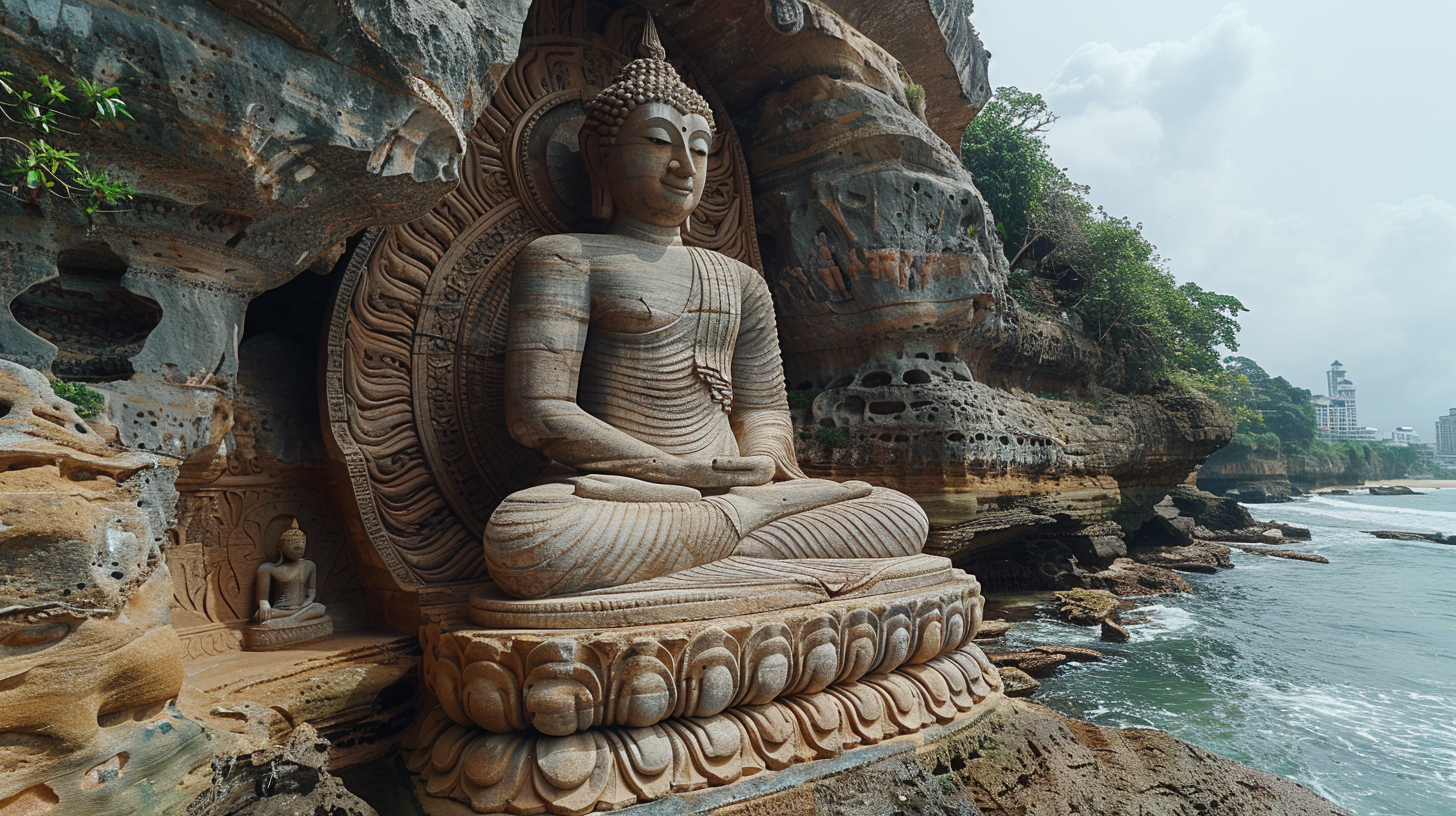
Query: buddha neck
<point x="630" y="226"/>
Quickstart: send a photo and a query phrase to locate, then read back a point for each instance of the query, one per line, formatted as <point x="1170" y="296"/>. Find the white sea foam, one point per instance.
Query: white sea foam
<point x="1321" y="511"/>
<point x="1162" y="622"/>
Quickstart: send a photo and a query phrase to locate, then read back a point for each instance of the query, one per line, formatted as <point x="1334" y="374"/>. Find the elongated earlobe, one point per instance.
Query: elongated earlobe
<point x="601" y="200"/>
<point x="601" y="196"/>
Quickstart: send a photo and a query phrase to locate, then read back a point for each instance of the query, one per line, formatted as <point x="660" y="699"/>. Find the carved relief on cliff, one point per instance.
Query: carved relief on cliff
<point x="417" y="336"/>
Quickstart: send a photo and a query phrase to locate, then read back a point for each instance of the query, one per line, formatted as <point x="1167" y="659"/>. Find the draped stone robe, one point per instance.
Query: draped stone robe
<point x="709" y="383"/>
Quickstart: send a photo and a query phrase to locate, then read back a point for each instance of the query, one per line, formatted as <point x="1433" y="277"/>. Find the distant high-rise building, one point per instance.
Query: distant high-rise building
<point x="1446" y="434"/>
<point x="1334" y="415"/>
<point x="1404" y="435"/>
<point x="1334" y="376"/>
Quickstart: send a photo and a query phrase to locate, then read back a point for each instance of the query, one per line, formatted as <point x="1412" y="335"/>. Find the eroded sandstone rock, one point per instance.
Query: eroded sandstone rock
<point x="89" y="658"/>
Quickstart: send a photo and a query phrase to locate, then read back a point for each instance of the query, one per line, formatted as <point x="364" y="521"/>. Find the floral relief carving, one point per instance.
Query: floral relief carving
<point x="560" y="683"/>
<point x="612" y="767"/>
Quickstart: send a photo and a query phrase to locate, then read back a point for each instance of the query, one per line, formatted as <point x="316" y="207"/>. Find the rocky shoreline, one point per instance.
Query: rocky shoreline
<point x="1191" y="531"/>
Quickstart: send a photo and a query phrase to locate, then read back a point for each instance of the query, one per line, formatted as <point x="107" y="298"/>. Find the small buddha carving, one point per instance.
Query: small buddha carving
<point x="285" y="590"/>
<point x="650" y="373"/>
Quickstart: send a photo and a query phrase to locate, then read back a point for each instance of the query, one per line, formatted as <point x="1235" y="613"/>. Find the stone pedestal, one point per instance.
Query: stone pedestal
<point x="267" y="638"/>
<point x="738" y="667"/>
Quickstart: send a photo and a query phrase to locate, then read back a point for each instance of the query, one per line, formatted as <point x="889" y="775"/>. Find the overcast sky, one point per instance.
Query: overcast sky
<point x="1295" y="154"/>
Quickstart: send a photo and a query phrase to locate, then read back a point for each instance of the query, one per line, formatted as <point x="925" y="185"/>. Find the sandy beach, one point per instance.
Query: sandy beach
<point x="1426" y="483"/>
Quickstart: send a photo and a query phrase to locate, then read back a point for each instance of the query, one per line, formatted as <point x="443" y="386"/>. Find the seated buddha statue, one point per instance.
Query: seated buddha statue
<point x="649" y="373"/>
<point x="286" y="588"/>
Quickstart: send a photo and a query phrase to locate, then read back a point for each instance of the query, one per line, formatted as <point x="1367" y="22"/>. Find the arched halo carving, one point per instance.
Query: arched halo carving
<point x="416" y="340"/>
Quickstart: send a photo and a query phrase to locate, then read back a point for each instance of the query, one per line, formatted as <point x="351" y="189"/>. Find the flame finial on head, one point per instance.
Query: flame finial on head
<point x="651" y="46"/>
<point x="647" y="79"/>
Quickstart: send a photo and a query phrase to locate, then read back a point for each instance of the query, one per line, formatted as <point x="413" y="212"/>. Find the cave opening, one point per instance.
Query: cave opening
<point x="96" y="324"/>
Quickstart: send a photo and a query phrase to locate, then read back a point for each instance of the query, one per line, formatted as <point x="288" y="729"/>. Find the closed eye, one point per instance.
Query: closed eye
<point x="657" y="141"/>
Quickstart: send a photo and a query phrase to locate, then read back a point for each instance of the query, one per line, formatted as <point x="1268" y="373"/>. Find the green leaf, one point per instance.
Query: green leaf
<point x="88" y="402"/>
<point x="54" y="90"/>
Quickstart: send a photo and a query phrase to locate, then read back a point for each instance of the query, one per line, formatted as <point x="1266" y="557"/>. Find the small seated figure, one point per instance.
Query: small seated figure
<point x="650" y="373"/>
<point x="285" y="590"/>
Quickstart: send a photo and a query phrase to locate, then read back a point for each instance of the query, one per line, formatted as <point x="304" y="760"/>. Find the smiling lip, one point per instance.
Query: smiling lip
<point x="687" y="191"/>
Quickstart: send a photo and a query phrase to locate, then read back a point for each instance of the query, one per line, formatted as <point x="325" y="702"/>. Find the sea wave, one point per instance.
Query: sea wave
<point x="1161" y="622"/>
<point x="1320" y="508"/>
<point x="1339" y="676"/>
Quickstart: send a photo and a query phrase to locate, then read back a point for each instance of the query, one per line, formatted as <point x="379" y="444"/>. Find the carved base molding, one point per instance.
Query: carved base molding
<point x="600" y="717"/>
<point x="613" y="767"/>
<point x="563" y="681"/>
<point x="266" y="638"/>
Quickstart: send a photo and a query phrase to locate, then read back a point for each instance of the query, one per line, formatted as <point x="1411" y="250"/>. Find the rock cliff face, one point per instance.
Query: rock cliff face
<point x="1258" y="477"/>
<point x="268" y="136"/>
<point x="911" y="367"/>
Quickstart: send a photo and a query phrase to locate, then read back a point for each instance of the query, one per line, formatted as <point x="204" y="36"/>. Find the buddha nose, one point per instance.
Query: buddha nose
<point x="682" y="168"/>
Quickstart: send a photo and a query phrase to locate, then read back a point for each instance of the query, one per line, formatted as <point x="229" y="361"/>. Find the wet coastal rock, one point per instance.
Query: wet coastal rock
<point x="1036" y="761"/>
<point x="1201" y="556"/>
<point x="1401" y="535"/>
<point x="1128" y="578"/>
<point x="1087" y="607"/>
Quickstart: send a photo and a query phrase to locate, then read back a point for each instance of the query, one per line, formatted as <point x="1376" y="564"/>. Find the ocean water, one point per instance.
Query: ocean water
<point x="1340" y="676"/>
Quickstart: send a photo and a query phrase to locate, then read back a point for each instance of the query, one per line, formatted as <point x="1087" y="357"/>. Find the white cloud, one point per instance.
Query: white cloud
<point x="1207" y="141"/>
<point x="1161" y="101"/>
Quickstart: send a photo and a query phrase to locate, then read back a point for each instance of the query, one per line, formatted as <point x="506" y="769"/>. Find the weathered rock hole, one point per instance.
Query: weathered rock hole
<point x="841" y="382"/>
<point x="96" y="324"/>
<point x="875" y="379"/>
<point x="916" y="376"/>
<point x="920" y="404"/>
<point x="105" y="772"/>
<point x="826" y="422"/>
<point x="922" y="356"/>
<point x="141" y="713"/>
<point x="5" y="407"/>
<point x="853" y="405"/>
<point x="959" y="376"/>
<point x="884" y="407"/>
<point x="957" y="437"/>
<point x="36" y="800"/>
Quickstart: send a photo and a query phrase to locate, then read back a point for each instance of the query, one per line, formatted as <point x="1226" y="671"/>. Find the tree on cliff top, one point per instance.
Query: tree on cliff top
<point x="1283" y="408"/>
<point x="1004" y="148"/>
<point x="1098" y="266"/>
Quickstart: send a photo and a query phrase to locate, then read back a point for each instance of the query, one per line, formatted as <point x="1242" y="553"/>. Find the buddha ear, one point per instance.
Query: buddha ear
<point x="591" y="146"/>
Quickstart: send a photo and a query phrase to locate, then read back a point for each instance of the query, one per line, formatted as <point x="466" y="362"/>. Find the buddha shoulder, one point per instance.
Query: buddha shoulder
<point x="566" y="248"/>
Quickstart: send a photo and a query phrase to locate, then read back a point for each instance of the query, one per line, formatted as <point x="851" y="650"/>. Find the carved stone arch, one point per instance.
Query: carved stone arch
<point x="416" y="341"/>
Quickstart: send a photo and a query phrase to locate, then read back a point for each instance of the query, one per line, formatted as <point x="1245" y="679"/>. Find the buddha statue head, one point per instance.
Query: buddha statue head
<point x="646" y="141"/>
<point x="292" y="543"/>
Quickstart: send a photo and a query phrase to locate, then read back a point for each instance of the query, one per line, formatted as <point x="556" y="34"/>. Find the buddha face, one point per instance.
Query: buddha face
<point x="656" y="169"/>
<point x="293" y="548"/>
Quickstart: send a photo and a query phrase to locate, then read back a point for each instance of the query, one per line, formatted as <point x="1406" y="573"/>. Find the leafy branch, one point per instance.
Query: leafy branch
<point x="35" y="166"/>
